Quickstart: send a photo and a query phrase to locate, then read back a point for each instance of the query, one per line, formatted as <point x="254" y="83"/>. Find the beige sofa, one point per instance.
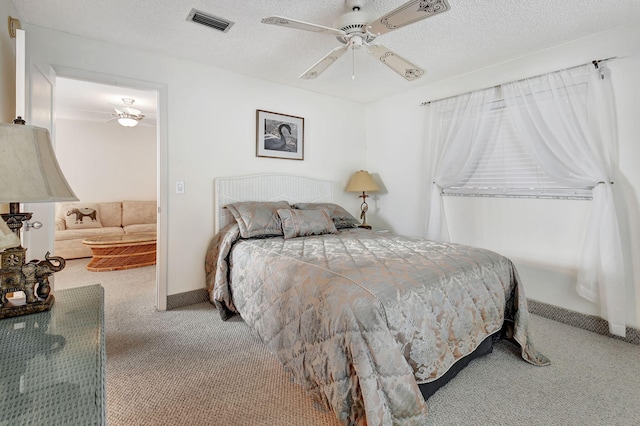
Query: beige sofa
<point x="79" y="220"/>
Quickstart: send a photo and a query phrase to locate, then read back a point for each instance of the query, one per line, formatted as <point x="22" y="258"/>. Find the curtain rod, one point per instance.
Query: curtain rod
<point x="595" y="63"/>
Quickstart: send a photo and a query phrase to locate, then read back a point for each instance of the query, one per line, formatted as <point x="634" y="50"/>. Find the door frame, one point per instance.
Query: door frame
<point x="162" y="165"/>
<point x="39" y="113"/>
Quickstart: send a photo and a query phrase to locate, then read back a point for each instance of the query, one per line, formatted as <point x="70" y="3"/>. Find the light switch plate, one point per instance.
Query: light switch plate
<point x="180" y="187"/>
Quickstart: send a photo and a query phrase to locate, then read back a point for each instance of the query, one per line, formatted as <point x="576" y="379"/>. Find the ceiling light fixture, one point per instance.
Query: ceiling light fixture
<point x="127" y="120"/>
<point x="128" y="116"/>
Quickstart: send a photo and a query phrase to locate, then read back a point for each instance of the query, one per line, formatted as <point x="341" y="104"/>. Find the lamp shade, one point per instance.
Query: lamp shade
<point x="361" y="181"/>
<point x="29" y="170"/>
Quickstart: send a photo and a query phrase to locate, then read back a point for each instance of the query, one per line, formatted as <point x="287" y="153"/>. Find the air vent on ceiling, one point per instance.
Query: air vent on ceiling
<point x="211" y="21"/>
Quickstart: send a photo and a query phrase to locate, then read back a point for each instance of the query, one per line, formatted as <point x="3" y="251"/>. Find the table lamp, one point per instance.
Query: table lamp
<point x="29" y="173"/>
<point x="361" y="181"/>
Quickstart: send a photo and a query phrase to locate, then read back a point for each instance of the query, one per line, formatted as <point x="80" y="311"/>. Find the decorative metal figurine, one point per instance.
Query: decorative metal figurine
<point x="31" y="278"/>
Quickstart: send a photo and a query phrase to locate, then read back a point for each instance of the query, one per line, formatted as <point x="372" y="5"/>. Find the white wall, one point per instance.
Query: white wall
<point x="543" y="237"/>
<point x="7" y="65"/>
<point x="210" y="132"/>
<point x="107" y="162"/>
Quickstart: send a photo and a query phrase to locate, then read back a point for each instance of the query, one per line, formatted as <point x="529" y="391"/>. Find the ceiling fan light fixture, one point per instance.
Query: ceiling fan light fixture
<point x="127" y="120"/>
<point x="128" y="116"/>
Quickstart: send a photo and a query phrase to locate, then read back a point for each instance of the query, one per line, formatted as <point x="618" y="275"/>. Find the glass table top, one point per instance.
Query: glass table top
<point x="141" y="237"/>
<point x="52" y="364"/>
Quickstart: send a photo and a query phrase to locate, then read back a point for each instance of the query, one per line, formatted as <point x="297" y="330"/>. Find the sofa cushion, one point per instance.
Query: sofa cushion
<point x="72" y="249"/>
<point x="136" y="212"/>
<point x="61" y="224"/>
<point x="139" y="227"/>
<point x="81" y="215"/>
<point x="75" y="234"/>
<point x="111" y="213"/>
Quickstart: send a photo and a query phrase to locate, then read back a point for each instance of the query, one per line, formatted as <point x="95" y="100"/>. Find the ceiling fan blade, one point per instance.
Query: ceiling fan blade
<point x="410" y="12"/>
<point x="396" y="63"/>
<point x="324" y="63"/>
<point x="300" y="25"/>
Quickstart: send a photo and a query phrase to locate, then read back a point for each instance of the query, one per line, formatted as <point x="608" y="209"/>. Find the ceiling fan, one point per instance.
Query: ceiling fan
<point x="128" y="116"/>
<point x="356" y="28"/>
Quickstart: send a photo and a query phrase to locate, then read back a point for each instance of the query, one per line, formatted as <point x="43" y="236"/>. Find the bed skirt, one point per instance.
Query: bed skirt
<point x="485" y="348"/>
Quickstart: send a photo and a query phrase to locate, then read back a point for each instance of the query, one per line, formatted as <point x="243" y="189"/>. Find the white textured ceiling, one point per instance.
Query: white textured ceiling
<point x="82" y="100"/>
<point x="473" y="34"/>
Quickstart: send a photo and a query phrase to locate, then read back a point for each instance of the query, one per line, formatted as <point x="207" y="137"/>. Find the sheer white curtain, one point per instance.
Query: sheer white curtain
<point x="567" y="120"/>
<point x="458" y="129"/>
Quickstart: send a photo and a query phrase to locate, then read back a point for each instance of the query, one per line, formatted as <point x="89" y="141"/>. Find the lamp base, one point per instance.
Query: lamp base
<point x="364" y="208"/>
<point x="15" y="218"/>
<point x="11" y="309"/>
<point x="30" y="278"/>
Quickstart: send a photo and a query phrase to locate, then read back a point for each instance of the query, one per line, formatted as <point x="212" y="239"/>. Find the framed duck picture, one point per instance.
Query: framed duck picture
<point x="279" y="135"/>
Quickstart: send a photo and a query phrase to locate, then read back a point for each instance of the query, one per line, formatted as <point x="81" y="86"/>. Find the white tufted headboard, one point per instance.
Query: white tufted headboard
<point x="266" y="187"/>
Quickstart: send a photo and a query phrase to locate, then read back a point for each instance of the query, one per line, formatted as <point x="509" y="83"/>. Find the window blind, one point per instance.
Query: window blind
<point x="507" y="169"/>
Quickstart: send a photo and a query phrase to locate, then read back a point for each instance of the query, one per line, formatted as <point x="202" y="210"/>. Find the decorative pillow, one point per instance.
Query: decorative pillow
<point x="81" y="216"/>
<point x="301" y="223"/>
<point x="341" y="218"/>
<point x="258" y="218"/>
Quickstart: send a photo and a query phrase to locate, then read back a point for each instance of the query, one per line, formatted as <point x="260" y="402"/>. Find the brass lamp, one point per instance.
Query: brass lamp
<point x="29" y="173"/>
<point x="361" y="181"/>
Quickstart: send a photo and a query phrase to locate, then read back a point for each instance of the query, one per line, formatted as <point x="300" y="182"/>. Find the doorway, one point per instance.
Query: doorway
<point x="105" y="161"/>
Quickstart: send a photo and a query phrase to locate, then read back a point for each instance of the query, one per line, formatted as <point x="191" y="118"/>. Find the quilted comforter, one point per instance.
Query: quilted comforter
<point x="361" y="318"/>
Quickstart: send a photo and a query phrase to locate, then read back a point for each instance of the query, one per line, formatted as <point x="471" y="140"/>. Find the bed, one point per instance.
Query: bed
<point x="368" y="323"/>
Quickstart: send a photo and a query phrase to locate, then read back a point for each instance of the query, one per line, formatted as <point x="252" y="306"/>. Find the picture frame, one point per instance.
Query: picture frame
<point x="279" y="135"/>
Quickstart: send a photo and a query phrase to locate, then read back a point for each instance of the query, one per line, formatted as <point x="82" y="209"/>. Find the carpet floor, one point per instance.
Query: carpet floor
<point x="187" y="367"/>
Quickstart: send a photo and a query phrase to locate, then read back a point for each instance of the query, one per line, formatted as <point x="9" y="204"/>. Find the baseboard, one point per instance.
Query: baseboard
<point x="588" y="322"/>
<point x="187" y="298"/>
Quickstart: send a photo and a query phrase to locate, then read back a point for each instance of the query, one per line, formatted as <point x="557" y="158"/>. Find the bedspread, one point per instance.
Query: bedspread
<point x="360" y="318"/>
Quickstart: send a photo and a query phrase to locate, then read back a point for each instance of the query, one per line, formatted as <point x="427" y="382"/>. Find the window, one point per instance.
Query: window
<point x="507" y="167"/>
